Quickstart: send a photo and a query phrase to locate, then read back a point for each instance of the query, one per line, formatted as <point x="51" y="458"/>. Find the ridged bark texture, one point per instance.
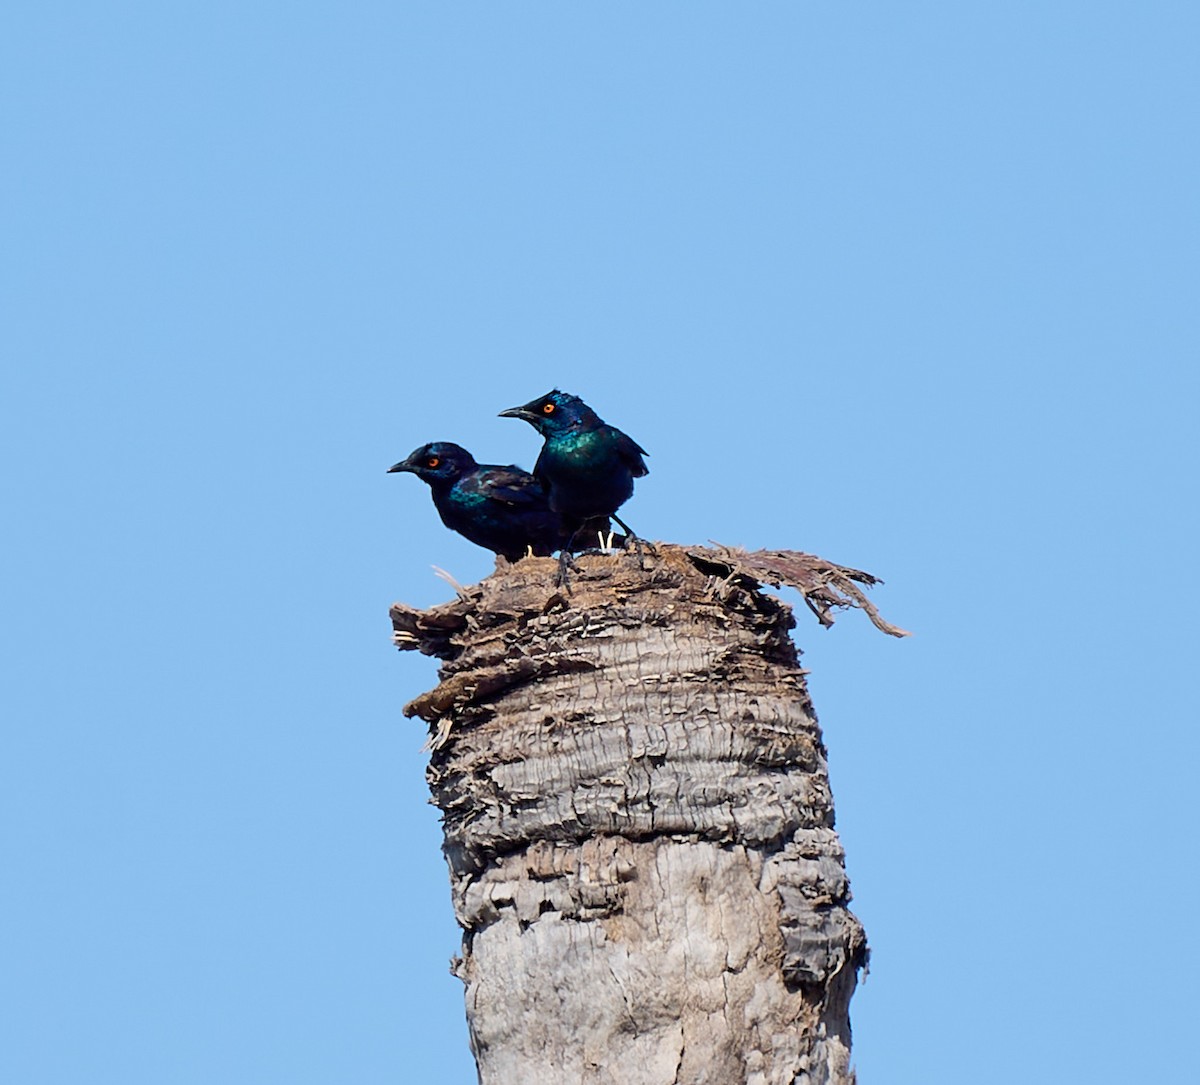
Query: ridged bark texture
<point x="639" y="828"/>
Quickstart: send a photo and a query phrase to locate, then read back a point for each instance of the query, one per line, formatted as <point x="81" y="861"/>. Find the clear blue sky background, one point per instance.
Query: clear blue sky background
<point x="912" y="286"/>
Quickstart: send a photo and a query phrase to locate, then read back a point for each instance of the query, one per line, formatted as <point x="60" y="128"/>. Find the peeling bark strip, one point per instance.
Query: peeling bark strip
<point x="638" y="821"/>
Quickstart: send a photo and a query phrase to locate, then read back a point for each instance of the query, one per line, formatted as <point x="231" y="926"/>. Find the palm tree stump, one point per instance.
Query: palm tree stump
<point x="638" y="821"/>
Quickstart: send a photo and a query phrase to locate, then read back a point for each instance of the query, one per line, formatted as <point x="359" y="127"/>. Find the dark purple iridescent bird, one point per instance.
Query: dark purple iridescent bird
<point x="502" y="509"/>
<point x="586" y="465"/>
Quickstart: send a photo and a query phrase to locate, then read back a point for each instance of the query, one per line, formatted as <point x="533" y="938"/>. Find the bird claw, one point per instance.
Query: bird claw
<point x="565" y="563"/>
<point x="640" y="548"/>
<point x="639" y="544"/>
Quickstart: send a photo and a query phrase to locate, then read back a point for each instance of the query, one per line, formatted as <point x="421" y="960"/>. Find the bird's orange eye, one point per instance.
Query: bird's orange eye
<point x="433" y="461"/>
<point x="547" y="408"/>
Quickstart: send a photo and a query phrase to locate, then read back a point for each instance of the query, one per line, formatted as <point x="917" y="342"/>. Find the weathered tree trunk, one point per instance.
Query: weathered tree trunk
<point x="639" y="825"/>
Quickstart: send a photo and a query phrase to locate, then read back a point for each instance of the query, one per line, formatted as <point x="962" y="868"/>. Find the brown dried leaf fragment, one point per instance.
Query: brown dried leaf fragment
<point x="823" y="584"/>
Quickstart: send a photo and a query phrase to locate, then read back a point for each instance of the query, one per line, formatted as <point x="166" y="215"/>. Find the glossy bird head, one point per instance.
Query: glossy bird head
<point x="555" y="412"/>
<point x="441" y="461"/>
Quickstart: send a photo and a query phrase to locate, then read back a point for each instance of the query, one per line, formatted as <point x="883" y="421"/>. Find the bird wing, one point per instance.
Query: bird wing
<point x="510" y="486"/>
<point x="631" y="454"/>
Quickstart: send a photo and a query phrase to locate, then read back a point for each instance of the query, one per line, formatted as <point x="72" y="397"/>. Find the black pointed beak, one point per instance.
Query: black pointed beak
<point x="403" y="465"/>
<point x="518" y="412"/>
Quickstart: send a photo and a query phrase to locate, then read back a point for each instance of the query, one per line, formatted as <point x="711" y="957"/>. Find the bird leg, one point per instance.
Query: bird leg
<point x="566" y="561"/>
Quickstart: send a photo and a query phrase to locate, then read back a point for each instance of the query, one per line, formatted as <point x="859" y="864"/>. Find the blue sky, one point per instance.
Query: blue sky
<point x="909" y="286"/>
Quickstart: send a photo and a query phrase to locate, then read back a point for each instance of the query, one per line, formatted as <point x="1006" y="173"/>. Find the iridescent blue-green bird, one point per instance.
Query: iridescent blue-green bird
<point x="586" y="465"/>
<point x="502" y="509"/>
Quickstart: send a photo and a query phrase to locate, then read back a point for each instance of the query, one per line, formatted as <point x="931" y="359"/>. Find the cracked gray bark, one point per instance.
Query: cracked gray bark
<point x="638" y="821"/>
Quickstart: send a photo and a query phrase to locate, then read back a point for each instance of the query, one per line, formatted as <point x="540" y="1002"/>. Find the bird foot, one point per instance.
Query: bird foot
<point x="565" y="564"/>
<point x="640" y="547"/>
